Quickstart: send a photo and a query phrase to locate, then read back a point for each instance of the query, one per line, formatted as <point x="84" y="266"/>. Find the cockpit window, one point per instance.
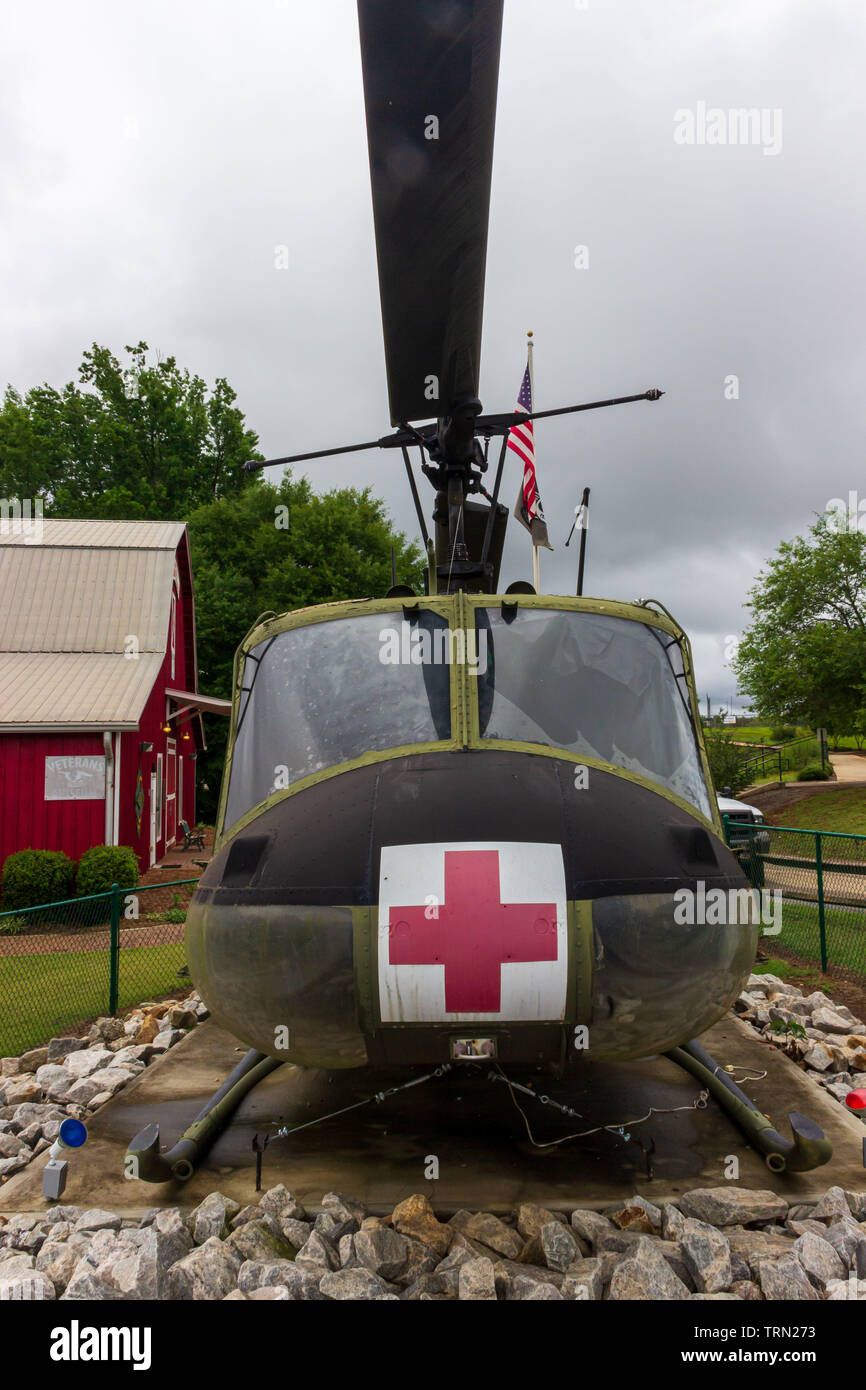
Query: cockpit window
<point x="317" y="696"/>
<point x="606" y="688"/>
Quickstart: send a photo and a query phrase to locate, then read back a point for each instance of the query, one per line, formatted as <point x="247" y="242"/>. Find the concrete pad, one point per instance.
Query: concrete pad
<point x="379" y="1153"/>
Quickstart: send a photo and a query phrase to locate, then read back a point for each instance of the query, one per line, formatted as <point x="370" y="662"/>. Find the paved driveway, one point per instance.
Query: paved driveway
<point x="849" y="767"/>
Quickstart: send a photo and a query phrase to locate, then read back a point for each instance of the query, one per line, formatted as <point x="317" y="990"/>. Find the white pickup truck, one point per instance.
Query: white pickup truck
<point x="742" y="812"/>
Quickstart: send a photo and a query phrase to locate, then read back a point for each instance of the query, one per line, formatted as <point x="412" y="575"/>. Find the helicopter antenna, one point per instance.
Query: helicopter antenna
<point x="581" y="521"/>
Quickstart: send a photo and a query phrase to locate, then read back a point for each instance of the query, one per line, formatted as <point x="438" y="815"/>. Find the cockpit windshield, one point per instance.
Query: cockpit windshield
<point x="317" y="696"/>
<point x="601" y="687"/>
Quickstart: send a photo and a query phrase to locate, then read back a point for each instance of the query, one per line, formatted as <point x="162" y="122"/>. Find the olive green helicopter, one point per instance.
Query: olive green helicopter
<point x="453" y="824"/>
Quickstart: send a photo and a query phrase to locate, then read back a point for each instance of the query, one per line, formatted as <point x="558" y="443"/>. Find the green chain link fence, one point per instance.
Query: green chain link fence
<point x="821" y="876"/>
<point x="64" y="963"/>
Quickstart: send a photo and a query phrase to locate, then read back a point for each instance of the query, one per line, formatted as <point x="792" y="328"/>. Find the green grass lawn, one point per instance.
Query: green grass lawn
<point x="845" y="929"/>
<point x="842" y="810"/>
<point x="782" y="969"/>
<point x="40" y="995"/>
<point x="788" y="775"/>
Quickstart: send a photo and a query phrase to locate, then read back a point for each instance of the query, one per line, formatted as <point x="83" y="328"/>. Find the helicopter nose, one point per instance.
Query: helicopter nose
<point x="370" y="913"/>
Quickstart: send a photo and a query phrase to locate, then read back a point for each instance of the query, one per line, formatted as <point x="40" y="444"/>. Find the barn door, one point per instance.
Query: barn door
<point x="170" y="792"/>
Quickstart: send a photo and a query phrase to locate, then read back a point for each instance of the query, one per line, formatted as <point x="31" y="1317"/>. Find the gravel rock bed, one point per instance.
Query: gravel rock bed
<point x="714" y="1243"/>
<point x="76" y="1076"/>
<point x="718" y="1243"/>
<point x="824" y="1039"/>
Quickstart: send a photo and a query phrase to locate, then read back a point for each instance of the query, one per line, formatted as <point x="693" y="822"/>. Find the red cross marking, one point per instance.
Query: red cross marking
<point x="475" y="933"/>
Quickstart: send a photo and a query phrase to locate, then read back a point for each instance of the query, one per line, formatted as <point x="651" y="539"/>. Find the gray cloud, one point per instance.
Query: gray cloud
<point x="153" y="161"/>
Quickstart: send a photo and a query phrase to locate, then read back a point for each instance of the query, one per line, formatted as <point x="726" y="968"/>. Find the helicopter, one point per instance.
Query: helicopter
<point x="452" y="824"/>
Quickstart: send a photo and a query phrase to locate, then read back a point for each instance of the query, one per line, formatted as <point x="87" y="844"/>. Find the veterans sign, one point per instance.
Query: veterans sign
<point x="78" y="777"/>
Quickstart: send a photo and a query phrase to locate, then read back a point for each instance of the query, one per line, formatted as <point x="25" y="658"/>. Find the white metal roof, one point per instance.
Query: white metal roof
<point x="84" y="614"/>
<point x="70" y="690"/>
<point x="125" y="535"/>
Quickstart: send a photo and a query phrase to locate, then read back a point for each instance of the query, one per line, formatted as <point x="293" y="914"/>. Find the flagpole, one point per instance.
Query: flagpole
<point x="536" y="569"/>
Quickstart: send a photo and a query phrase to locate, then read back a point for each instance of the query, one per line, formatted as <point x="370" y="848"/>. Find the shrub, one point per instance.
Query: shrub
<point x="104" y="865"/>
<point x="13" y="926"/>
<point x="35" y="876"/>
<point x="813" y="774"/>
<point x="783" y="733"/>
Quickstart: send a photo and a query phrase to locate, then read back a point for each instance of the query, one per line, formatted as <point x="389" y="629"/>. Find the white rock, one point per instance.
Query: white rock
<point x="12" y="1145"/>
<point x="54" y="1079"/>
<point x="818" y="1057"/>
<point x="830" y="1020"/>
<point x="819" y="1259"/>
<point x="82" y="1092"/>
<point x="97" y="1219"/>
<point x="8" y="1166"/>
<point x="210" y="1271"/>
<point x="89" y="1060"/>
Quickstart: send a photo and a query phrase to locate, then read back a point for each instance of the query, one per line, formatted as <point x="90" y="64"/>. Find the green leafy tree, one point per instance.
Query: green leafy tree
<point x="149" y="440"/>
<point x="140" y="441"/>
<point x="803" y="658"/>
<point x="281" y="547"/>
<point x="726" y="761"/>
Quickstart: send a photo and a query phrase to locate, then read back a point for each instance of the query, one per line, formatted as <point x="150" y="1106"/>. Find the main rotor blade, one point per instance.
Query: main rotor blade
<point x="484" y="425"/>
<point x="430" y="76"/>
<point x="402" y="438"/>
<point x="501" y="424"/>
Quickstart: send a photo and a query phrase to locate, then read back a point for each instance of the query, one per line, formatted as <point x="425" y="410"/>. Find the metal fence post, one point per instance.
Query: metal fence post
<point x="114" y="955"/>
<point x="822" y="927"/>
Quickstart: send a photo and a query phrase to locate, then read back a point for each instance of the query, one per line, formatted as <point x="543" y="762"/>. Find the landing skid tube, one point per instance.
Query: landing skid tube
<point x="809" y="1148"/>
<point x="143" y="1159"/>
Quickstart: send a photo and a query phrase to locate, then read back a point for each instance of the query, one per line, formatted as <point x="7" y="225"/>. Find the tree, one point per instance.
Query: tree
<point x="140" y="441"/>
<point x="804" y="656"/>
<point x="726" y="761"/>
<point x="281" y="547"/>
<point x="151" y="441"/>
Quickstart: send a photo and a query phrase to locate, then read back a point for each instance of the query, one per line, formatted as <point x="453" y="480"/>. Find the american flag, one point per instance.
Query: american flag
<point x="521" y="438"/>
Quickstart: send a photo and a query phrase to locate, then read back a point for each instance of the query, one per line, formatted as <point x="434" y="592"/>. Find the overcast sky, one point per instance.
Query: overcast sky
<point x="153" y="157"/>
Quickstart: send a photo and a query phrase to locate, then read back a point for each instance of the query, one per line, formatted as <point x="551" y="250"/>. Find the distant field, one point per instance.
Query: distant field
<point x="756" y="733"/>
<point x="763" y="734"/>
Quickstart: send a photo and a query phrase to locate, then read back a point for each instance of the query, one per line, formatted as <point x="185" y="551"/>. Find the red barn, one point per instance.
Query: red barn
<point x="100" y="716"/>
